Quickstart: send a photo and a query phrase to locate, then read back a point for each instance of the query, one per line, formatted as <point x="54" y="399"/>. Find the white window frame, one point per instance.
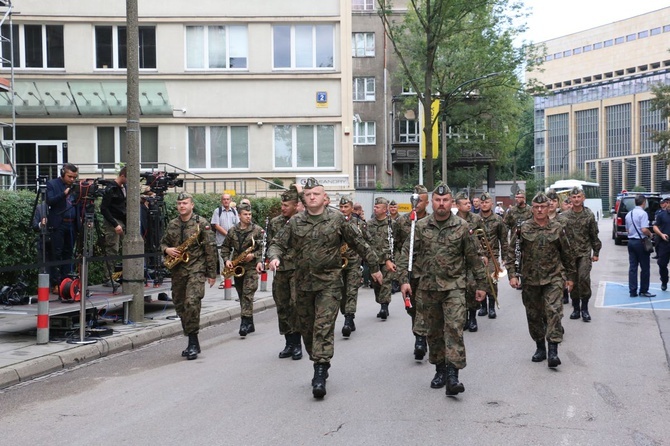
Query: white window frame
<point x="314" y="48"/>
<point x="117" y="144"/>
<point x="365" y="92"/>
<point x="208" y="150"/>
<point x="365" y="133"/>
<point x="115" y="48"/>
<point x="368" y="50"/>
<point x="363" y="5"/>
<point x="404" y="135"/>
<point x="20" y="58"/>
<point x="370" y="183"/>
<point x="237" y="46"/>
<point x="294" y="149"/>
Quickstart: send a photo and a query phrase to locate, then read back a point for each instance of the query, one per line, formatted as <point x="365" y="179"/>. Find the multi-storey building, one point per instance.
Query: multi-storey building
<point x="228" y="89"/>
<point x="597" y="113"/>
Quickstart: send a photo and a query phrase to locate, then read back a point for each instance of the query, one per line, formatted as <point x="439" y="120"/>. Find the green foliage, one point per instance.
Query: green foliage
<point x="278" y="183"/>
<point x="661" y="102"/>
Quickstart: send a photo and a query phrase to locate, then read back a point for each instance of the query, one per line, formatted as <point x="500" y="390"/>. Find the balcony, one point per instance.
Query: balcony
<point x="405" y="152"/>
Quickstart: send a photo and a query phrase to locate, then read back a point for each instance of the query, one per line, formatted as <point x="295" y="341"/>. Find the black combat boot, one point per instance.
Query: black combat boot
<point x="575" y="309"/>
<point x="541" y="352"/>
<point x="184" y="353"/>
<point x="192" y="349"/>
<point x="453" y="386"/>
<point x="553" y="360"/>
<point x="383" y="312"/>
<point x="352" y="323"/>
<point x="586" y="317"/>
<point x="250" y="325"/>
<point x="319" y="380"/>
<point x="420" y="347"/>
<point x="466" y="325"/>
<point x="482" y="309"/>
<point x="492" y="308"/>
<point x="440" y="378"/>
<point x="566" y="296"/>
<point x="244" y="326"/>
<point x="472" y="325"/>
<point x="346" y="328"/>
<point x="297" y="346"/>
<point x="288" y="348"/>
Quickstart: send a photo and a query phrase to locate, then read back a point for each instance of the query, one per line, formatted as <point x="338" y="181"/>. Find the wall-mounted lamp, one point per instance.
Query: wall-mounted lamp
<point x="259" y="123"/>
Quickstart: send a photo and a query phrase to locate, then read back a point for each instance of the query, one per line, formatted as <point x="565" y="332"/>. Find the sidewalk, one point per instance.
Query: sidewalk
<point x="21" y="359"/>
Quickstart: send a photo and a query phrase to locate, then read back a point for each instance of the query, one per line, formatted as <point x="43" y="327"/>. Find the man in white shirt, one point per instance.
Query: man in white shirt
<point x="637" y="225"/>
<point x="223" y="218"/>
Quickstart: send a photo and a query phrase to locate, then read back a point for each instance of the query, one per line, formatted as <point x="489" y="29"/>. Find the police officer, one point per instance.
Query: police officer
<point x="189" y="233"/>
<point x="662" y="230"/>
<point x="315" y="238"/>
<point x="380" y="226"/>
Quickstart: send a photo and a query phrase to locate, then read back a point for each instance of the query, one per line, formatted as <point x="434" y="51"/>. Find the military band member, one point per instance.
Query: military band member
<point x="496" y="233"/>
<point x="393" y="210"/>
<point x="244" y="237"/>
<point x="378" y="228"/>
<point x="188" y="278"/>
<point x="315" y="238"/>
<point x="445" y="251"/>
<point x="403" y="229"/>
<point x="518" y="213"/>
<point x="545" y="258"/>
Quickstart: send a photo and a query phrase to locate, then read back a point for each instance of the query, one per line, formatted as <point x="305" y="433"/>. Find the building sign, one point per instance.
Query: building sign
<point x="328" y="181"/>
<point x="322" y="99"/>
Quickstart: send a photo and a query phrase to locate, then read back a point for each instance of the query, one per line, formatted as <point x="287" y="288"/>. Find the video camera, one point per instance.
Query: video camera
<point x="160" y="181"/>
<point x="90" y="188"/>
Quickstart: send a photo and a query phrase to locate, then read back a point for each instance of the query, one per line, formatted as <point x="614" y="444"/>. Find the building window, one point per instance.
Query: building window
<point x="112" y="142"/>
<point x="364" y="89"/>
<point x="549" y="57"/>
<point x="111" y="47"/>
<point x="365" y="176"/>
<point x="567" y="53"/>
<point x="597" y="45"/>
<point x="218" y="147"/>
<point x="363" y="44"/>
<point x="303" y="46"/>
<point x="216" y="47"/>
<point x="651" y="121"/>
<point x="407" y="88"/>
<point x="304" y="146"/>
<point x="363" y="5"/>
<point x="666" y="28"/>
<point x="577" y="51"/>
<point x="587" y="48"/>
<point x="558" y="141"/>
<point x="407" y="131"/>
<point x="643" y="34"/>
<point x="35" y="46"/>
<point x="618" y="130"/>
<point x="365" y="133"/>
<point x="586" y="123"/>
<point x="655" y="31"/>
<point x="630" y="37"/>
<point x="558" y="55"/>
<point x="609" y="42"/>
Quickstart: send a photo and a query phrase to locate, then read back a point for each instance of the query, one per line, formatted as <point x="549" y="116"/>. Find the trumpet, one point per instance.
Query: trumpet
<point x="343" y="249"/>
<point x="492" y="278"/>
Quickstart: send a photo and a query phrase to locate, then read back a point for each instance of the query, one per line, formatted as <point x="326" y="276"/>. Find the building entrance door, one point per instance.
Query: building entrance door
<point x="35" y="158"/>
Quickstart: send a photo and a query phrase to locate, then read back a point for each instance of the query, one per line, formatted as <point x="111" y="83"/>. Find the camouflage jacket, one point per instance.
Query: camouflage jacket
<point x="582" y="231"/>
<point x="274" y="227"/>
<point x="362" y="226"/>
<point x="445" y="251"/>
<point x="316" y="242"/>
<point x="379" y="238"/>
<point x="496" y="233"/>
<point x="238" y="240"/>
<point x="474" y="222"/>
<point x="545" y="253"/>
<point x="403" y="228"/>
<point x="202" y="253"/>
<point x="515" y="215"/>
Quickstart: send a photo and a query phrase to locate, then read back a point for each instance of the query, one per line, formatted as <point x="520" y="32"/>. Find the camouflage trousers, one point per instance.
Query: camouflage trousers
<point x="351" y="277"/>
<point x="544" y="310"/>
<point x="444" y="313"/>
<point x="246" y="287"/>
<point x="417" y="310"/>
<point x="317" y="311"/>
<point x="470" y="291"/>
<point x="284" y="295"/>
<point x="111" y="242"/>
<point x="582" y="287"/>
<point x="187" y="293"/>
<point x="383" y="291"/>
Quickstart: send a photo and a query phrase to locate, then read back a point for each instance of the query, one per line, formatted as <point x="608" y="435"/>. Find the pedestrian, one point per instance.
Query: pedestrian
<point x="495" y="232"/>
<point x="543" y="257"/>
<point x="223" y="218"/>
<point x="581" y="228"/>
<point x="444" y="251"/>
<point x="381" y="228"/>
<point x="499" y="209"/>
<point x="241" y="251"/>
<point x="191" y="235"/>
<point x="403" y="230"/>
<point x="637" y="226"/>
<point x="283" y="282"/>
<point x="113" y="210"/>
<point x="476" y="205"/>
<point x="63" y="221"/>
<point x="662" y="230"/>
<point x="315" y="237"/>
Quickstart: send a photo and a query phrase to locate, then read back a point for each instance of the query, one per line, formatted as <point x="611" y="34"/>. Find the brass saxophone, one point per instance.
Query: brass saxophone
<point x="238" y="271"/>
<point x="171" y="262"/>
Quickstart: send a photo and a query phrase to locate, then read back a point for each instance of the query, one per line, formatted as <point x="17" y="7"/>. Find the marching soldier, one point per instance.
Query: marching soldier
<point x="393" y="210"/>
<point x="496" y="234"/>
<point x="381" y="228"/>
<point x="445" y="251"/>
<point x="243" y="246"/>
<point x="518" y="213"/>
<point x="283" y="285"/>
<point x="315" y="238"/>
<point x="403" y="229"/>
<point x="189" y="234"/>
<point x="544" y="256"/>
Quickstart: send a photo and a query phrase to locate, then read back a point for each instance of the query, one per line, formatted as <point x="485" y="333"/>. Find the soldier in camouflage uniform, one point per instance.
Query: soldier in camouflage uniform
<point x="545" y="255"/>
<point x="378" y="228"/>
<point x="518" y="213"/>
<point x="402" y="232"/>
<point x="582" y="229"/>
<point x="245" y="235"/>
<point x="474" y="223"/>
<point x="445" y="251"/>
<point x="315" y="237"/>
<point x="496" y="234"/>
<point x="283" y="284"/>
<point x="188" y="278"/>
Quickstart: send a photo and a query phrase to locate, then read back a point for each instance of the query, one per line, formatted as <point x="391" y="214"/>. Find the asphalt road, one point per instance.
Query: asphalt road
<point x="613" y="387"/>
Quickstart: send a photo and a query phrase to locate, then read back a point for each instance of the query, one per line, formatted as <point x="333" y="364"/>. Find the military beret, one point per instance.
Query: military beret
<point x="576" y="191"/>
<point x="540" y="197"/>
<point x="244" y="207"/>
<point x="393" y="203"/>
<point x="521" y="192"/>
<point x="184" y="196"/>
<point x="442" y="189"/>
<point x="346" y="199"/>
<point x="290" y="195"/>
<point x="461" y="196"/>
<point x="381" y="200"/>
<point x="486" y="196"/>
<point x="552" y="195"/>
<point x="311" y="183"/>
<point x="420" y="189"/>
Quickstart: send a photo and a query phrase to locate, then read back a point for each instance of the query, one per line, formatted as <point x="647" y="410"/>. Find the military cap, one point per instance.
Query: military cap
<point x="461" y="196"/>
<point x="442" y="189"/>
<point x="381" y="200"/>
<point x="552" y="195"/>
<point x="393" y="203"/>
<point x="290" y="195"/>
<point x="244" y="207"/>
<point x="540" y="197"/>
<point x="311" y="183"/>
<point x="521" y="192"/>
<point x="346" y="199"/>
<point x="486" y="196"/>
<point x="184" y="196"/>
<point x="576" y="191"/>
<point x="420" y="189"/>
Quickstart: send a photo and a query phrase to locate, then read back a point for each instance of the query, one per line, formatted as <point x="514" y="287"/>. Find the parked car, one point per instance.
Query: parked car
<point x="625" y="202"/>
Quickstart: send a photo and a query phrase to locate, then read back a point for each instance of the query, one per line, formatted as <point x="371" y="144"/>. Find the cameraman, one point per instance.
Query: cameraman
<point x="113" y="210"/>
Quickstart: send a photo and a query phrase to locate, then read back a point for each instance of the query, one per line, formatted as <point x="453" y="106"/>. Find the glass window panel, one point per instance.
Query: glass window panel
<point x="149" y="144"/>
<point x="33" y="38"/>
<point x="218" y="142"/>
<point x="597" y="46"/>
<point x="324" y="46"/>
<point x="282" y="46"/>
<point x="305" y="145"/>
<point x="656" y="31"/>
<point x="325" y="137"/>
<point x="197" y="149"/>
<point x="239" y="147"/>
<point x="147" y="47"/>
<point x="217" y="46"/>
<point x="122" y="47"/>
<point x="238" y="46"/>
<point x="122" y="145"/>
<point x="369" y="44"/>
<point x="106" y="146"/>
<point x="55" y="46"/>
<point x="303" y="46"/>
<point x="283" y="146"/>
<point x="195" y="47"/>
<point x="5" y="47"/>
<point x="103" y="47"/>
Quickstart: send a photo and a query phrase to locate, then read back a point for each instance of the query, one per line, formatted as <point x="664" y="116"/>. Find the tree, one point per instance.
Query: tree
<point x="452" y="48"/>
<point x="661" y="102"/>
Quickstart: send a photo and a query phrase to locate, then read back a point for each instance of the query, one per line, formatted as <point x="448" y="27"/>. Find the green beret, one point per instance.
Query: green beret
<point x="540" y="197"/>
<point x="381" y="200"/>
<point x="184" y="196"/>
<point x="393" y="203"/>
<point x="244" y="207"/>
<point x="521" y="192"/>
<point x="552" y="195"/>
<point x="486" y="196"/>
<point x="442" y="189"/>
<point x="576" y="191"/>
<point x="461" y="196"/>
<point x="311" y="183"/>
<point x="420" y="189"/>
<point x="290" y="195"/>
<point x="346" y="199"/>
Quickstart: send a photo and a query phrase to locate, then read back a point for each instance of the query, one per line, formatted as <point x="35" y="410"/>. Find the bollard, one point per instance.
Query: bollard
<point x="264" y="281"/>
<point x="228" y="284"/>
<point x="43" y="309"/>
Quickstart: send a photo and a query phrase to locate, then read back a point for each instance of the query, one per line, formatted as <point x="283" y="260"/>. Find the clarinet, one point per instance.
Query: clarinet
<point x="413" y="217"/>
<point x="390" y="236"/>
<point x="517" y="252"/>
<point x="265" y="243"/>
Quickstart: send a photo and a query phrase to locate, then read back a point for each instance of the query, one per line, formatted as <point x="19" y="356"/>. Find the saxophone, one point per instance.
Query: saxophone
<point x="238" y="271"/>
<point x="171" y="262"/>
<point x="343" y="250"/>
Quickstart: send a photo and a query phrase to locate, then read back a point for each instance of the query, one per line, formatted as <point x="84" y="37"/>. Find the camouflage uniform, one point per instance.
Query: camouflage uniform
<point x="474" y="222"/>
<point x="188" y="279"/>
<point x="237" y="241"/>
<point x="315" y="241"/>
<point x="379" y="241"/>
<point x="283" y="285"/>
<point x="496" y="233"/>
<point x="351" y="274"/>
<point x="517" y="215"/>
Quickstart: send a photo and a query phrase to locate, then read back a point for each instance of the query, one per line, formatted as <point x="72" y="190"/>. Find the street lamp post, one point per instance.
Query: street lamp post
<point x="516" y="147"/>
